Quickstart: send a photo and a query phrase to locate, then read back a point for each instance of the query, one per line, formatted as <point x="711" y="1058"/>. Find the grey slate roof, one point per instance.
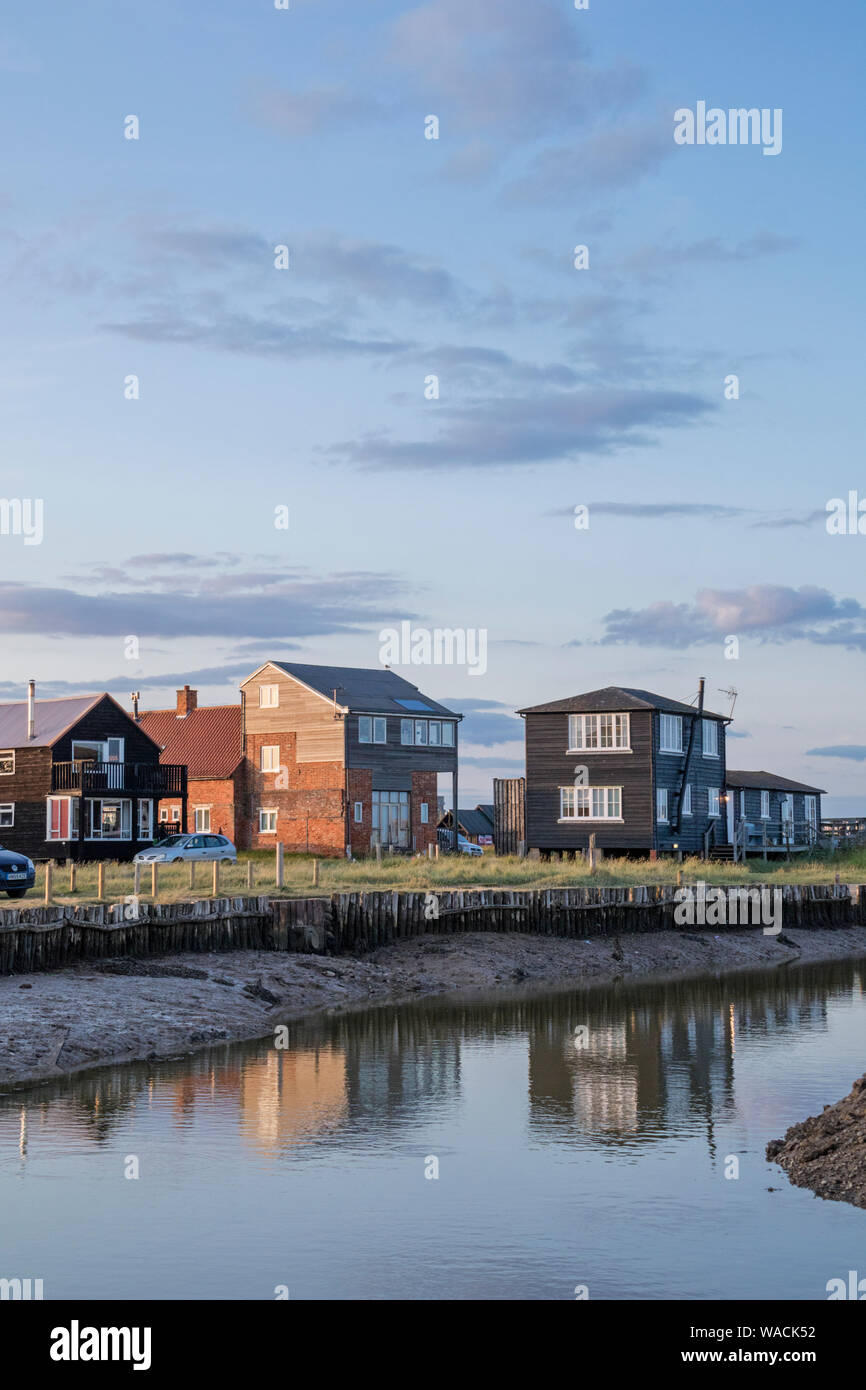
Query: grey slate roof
<point x="53" y="717"/>
<point x="618" y="699"/>
<point x="471" y="822"/>
<point x="363" y="690"/>
<point x="769" y="781"/>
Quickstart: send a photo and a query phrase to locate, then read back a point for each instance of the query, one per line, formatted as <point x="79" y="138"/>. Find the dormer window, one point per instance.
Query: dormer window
<point x="598" y="733"/>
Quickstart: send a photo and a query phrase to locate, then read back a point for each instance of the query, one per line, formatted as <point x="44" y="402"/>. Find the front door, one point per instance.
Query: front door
<point x="787" y="807"/>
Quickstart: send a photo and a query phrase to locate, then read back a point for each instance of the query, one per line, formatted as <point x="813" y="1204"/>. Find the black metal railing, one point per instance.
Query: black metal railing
<point x="159" y="779"/>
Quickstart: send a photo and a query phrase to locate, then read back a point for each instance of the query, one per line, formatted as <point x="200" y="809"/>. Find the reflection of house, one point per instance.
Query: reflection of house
<point x="79" y="779"/>
<point x="208" y="740"/>
<point x="290" y="1096"/>
<point x="771" y="814"/>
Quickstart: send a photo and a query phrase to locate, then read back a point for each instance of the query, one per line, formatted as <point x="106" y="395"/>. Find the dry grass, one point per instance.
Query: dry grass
<point x="339" y="875"/>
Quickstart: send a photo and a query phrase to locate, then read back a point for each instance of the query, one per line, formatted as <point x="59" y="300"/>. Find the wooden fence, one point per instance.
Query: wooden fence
<point x="48" y="937"/>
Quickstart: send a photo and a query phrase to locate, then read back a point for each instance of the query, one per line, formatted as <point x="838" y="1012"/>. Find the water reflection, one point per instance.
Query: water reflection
<point x="652" y="1060"/>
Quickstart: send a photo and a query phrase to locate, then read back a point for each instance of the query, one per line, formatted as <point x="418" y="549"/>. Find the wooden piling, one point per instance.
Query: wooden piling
<point x="100" y="880"/>
<point x="49" y="873"/>
<point x="192" y="873"/>
<point x="136" y="879"/>
<point x="315" y="873"/>
<point x="250" y="873"/>
<point x="72" y="875"/>
<point x="154" y="880"/>
<point x="279" y="873"/>
<point x="216" y="878"/>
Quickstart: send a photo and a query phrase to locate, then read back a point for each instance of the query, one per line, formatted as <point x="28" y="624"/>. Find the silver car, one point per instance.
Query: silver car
<point x="180" y="849"/>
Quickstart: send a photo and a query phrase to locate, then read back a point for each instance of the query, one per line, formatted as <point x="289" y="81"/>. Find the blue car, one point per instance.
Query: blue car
<point x="17" y="873"/>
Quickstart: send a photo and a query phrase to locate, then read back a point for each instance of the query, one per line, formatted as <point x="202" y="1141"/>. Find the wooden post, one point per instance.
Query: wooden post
<point x="679" y="878"/>
<point x="279" y="864"/>
<point x="250" y="873"/>
<point x="72" y="875"/>
<point x="49" y="873"/>
<point x="216" y="878"/>
<point x="592" y="859"/>
<point x="154" y="881"/>
<point x="192" y="873"/>
<point x="378" y="854"/>
<point x="136" y="879"/>
<point x="315" y="873"/>
<point x="100" y="880"/>
<point x="431" y="851"/>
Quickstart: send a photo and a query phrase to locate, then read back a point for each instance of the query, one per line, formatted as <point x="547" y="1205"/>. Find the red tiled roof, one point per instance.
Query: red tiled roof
<point x="208" y="739"/>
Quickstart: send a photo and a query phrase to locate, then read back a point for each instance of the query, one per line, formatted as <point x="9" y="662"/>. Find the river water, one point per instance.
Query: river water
<point x="582" y="1139"/>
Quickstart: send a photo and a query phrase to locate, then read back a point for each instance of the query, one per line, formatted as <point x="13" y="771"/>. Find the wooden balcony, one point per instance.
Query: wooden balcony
<point x="136" y="779"/>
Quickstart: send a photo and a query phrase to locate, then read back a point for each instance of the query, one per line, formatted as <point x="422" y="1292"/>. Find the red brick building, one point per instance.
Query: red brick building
<point x="209" y="741"/>
<point x="341" y="756"/>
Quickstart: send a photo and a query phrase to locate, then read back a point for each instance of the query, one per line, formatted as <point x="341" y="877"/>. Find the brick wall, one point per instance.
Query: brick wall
<point x="307" y="797"/>
<point x="223" y="797"/>
<point x="423" y="790"/>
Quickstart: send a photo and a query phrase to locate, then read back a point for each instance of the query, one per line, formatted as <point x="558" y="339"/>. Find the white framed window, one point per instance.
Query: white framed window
<point x="270" y="760"/>
<point x="590" y="803"/>
<point x="765" y="805"/>
<point x="108" y="819"/>
<point x="359" y="812"/>
<point x="7" y="815"/>
<point x="670" y="733"/>
<point x="267" y="822"/>
<point x="598" y="733"/>
<point x="421" y="731"/>
<point x="661" y="804"/>
<point x="407" y="730"/>
<point x="742" y="803"/>
<point x="7" y="762"/>
<point x="269" y="696"/>
<point x="372" y="729"/>
<point x="713" y="802"/>
<point x="448" y="727"/>
<point x="810" y="805"/>
<point x="711" y="738"/>
<point x="163" y="813"/>
<point x="201" y="819"/>
<point x="425" y="813"/>
<point x="145" y="820"/>
<point x="434" y="733"/>
<point x="687" y="799"/>
<point x="175" y="814"/>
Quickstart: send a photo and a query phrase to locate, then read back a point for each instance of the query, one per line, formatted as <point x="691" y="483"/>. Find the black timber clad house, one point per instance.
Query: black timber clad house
<point x="79" y="779"/>
<point x="643" y="773"/>
<point x="771" y="814"/>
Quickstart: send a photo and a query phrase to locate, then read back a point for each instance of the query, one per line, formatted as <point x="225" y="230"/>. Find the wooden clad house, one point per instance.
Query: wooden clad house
<point x="645" y="774"/>
<point x="79" y="779"/>
<point x="208" y="739"/>
<point x="768" y="814"/>
<point x="474" y="825"/>
<point x="342" y="757"/>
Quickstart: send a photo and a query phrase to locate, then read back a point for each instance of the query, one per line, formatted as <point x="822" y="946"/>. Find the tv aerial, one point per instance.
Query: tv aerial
<point x="732" y="694"/>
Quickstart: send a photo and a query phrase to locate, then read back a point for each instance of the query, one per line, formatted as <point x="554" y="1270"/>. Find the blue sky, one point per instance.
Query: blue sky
<point x="410" y="257"/>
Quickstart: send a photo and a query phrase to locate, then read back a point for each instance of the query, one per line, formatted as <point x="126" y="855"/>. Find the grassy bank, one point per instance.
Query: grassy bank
<point x="342" y="876"/>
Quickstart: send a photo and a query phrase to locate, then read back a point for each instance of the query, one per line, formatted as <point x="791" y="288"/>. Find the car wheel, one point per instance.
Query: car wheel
<point x="228" y="861"/>
<point x="175" y="861"/>
<point x="15" y="892"/>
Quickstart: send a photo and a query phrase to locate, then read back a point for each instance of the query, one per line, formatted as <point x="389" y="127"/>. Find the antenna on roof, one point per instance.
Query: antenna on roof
<point x="732" y="694"/>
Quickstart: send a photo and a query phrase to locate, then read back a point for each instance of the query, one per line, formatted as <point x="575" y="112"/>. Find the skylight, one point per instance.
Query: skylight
<point x="415" y="705"/>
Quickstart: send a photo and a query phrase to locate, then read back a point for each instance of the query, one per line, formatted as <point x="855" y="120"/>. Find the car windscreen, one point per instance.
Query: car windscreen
<point x="171" y="840"/>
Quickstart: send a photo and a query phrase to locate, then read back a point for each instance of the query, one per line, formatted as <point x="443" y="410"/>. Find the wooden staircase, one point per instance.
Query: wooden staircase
<point x="725" y="851"/>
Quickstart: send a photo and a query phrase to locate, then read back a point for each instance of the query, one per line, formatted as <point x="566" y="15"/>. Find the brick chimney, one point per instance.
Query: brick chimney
<point x="187" y="701"/>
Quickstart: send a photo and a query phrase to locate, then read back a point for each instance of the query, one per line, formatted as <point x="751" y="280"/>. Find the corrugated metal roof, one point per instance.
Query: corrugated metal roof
<point x="365" y="690"/>
<point x="616" y="698"/>
<point x="207" y="739"/>
<point x="769" y="781"/>
<point x="52" y="718"/>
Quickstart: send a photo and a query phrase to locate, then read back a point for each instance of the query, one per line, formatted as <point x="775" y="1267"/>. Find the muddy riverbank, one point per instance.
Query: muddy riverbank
<point x="827" y="1152"/>
<point x="131" y="1010"/>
